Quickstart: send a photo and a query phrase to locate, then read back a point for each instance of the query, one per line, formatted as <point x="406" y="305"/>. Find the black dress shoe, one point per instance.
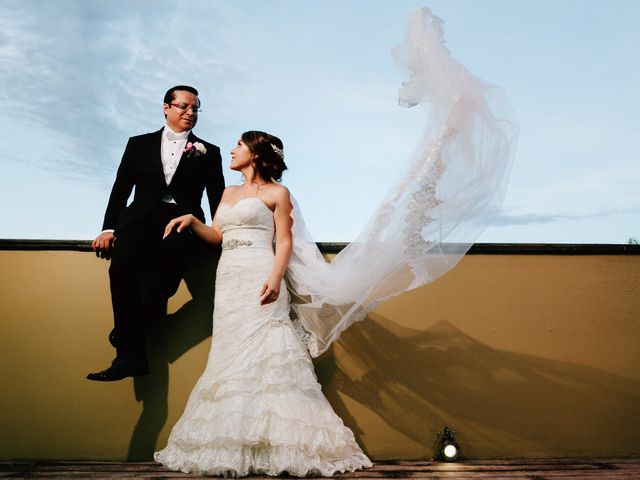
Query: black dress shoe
<point x="119" y="369"/>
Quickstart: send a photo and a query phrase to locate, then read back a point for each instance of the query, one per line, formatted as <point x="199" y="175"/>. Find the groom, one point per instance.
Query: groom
<point x="169" y="169"/>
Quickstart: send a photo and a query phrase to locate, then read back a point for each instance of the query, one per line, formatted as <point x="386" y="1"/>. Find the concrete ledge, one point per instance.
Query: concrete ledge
<point x="335" y="247"/>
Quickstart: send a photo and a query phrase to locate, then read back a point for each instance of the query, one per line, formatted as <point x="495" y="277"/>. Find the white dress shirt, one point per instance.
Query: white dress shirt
<point x="172" y="151"/>
<point x="170" y="154"/>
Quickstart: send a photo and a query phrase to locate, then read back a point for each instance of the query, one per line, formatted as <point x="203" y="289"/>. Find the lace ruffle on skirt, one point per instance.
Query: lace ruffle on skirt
<point x="271" y="419"/>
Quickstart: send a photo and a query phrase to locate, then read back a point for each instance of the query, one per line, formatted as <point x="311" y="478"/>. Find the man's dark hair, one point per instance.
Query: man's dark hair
<point x="170" y="96"/>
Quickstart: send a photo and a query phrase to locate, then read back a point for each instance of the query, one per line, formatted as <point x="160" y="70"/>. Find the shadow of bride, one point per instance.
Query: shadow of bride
<point x="500" y="403"/>
<point x="167" y="340"/>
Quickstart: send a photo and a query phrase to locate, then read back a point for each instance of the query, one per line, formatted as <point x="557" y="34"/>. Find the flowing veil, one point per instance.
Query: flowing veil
<point x="445" y="196"/>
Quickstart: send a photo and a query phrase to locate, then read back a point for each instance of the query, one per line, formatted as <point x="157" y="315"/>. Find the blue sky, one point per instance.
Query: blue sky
<point x="81" y="76"/>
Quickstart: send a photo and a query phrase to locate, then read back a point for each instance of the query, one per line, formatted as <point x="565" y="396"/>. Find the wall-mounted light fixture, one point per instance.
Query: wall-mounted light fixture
<point x="446" y="449"/>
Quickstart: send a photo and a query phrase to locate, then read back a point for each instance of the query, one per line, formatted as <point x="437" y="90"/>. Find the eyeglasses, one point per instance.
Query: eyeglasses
<point x="183" y="108"/>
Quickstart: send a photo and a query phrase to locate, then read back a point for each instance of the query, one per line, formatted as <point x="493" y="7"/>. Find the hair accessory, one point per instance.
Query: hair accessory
<point x="278" y="151"/>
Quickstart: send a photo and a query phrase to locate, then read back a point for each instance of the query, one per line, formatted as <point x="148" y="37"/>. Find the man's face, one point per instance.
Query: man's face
<point x="182" y="112"/>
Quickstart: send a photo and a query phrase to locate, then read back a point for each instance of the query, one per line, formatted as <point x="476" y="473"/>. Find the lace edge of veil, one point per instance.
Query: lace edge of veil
<point x="451" y="187"/>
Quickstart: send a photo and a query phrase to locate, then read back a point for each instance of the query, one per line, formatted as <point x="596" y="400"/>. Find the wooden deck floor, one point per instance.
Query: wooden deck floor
<point x="607" y="469"/>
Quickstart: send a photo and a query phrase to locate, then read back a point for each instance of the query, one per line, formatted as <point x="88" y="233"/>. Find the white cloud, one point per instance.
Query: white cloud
<point x="90" y="75"/>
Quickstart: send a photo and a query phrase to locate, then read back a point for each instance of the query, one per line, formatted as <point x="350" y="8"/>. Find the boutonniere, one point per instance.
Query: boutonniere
<point x="197" y="148"/>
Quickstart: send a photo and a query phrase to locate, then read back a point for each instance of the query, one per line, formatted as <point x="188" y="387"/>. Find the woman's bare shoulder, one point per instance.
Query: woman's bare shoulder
<point x="228" y="191"/>
<point x="276" y="196"/>
<point x="280" y="190"/>
<point x="280" y="194"/>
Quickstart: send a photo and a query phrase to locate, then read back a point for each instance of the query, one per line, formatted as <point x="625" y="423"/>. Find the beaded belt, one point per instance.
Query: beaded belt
<point x="235" y="243"/>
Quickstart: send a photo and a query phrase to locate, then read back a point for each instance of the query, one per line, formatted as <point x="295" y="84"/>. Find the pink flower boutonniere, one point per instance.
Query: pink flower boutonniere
<point x="197" y="148"/>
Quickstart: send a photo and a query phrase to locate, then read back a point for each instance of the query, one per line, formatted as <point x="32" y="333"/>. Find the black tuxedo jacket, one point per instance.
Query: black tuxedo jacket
<point x="141" y="167"/>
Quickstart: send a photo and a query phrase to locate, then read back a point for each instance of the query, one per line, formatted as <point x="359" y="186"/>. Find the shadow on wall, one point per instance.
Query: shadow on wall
<point x="501" y="404"/>
<point x="419" y="381"/>
<point x="175" y="335"/>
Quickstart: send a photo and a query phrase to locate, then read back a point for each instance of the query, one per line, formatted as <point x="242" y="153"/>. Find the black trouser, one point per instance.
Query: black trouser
<point x="145" y="271"/>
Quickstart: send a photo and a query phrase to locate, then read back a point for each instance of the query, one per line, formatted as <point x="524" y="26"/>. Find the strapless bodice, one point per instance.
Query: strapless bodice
<point x="248" y="223"/>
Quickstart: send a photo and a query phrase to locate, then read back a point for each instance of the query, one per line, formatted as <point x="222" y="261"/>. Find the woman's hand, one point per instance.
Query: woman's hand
<point x="181" y="222"/>
<point x="270" y="290"/>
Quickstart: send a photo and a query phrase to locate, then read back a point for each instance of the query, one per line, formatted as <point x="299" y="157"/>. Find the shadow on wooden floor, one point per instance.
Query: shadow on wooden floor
<point x="608" y="469"/>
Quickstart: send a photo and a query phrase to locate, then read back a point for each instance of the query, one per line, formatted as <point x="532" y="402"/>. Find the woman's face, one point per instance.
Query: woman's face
<point x="240" y="156"/>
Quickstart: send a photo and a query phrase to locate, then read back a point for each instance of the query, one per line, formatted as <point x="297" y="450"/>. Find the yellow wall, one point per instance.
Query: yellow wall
<point x="522" y="355"/>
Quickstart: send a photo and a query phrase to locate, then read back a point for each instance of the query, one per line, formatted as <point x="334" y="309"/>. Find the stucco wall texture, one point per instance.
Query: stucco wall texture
<point x="524" y="356"/>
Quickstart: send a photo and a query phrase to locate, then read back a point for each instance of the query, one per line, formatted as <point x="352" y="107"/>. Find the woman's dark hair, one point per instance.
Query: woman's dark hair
<point x="268" y="149"/>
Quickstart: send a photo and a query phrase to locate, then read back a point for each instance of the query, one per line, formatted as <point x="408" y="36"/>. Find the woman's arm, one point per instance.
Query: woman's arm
<point x="210" y="234"/>
<point x="283" y="223"/>
<point x="205" y="232"/>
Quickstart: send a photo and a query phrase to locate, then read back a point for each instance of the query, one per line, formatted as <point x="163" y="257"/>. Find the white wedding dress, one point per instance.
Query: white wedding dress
<point x="258" y="407"/>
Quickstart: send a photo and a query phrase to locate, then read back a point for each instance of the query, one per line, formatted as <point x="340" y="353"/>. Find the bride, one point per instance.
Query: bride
<point x="258" y="407"/>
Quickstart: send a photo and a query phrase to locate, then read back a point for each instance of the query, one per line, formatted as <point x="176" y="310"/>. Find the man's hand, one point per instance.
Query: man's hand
<point x="103" y="244"/>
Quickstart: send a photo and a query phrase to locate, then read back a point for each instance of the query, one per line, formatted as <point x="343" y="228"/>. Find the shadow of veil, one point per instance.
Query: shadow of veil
<point x="500" y="403"/>
<point x="167" y="340"/>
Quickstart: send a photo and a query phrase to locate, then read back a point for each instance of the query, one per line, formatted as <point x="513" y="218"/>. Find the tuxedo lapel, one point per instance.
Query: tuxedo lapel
<point x="184" y="159"/>
<point x="155" y="144"/>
